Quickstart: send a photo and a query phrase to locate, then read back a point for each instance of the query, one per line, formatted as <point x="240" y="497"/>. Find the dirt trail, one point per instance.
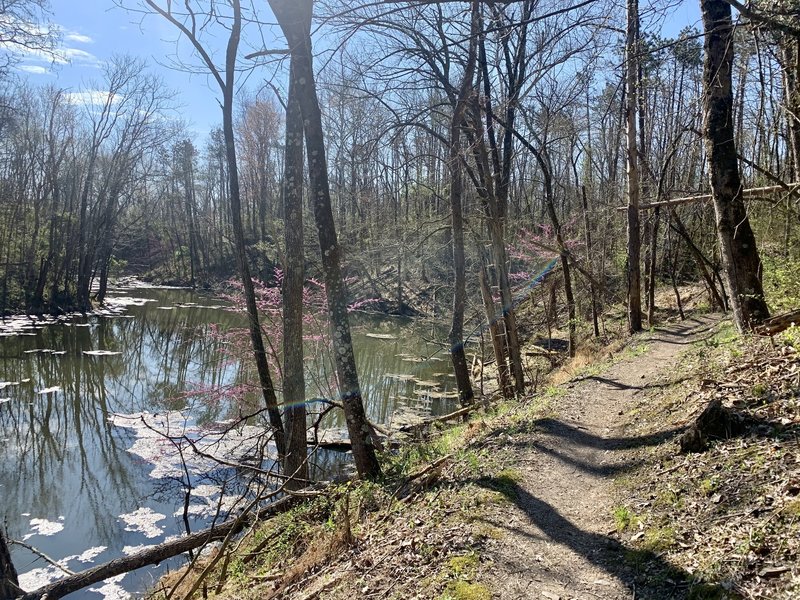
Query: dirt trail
<point x="558" y="537"/>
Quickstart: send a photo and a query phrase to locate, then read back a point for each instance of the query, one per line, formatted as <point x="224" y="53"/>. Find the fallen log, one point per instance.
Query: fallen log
<point x="154" y="555"/>
<point x="778" y="323"/>
<point x="715" y="422"/>
<point x="440" y="419"/>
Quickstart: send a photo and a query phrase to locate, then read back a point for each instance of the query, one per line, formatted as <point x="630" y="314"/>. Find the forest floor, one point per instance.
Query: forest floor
<point x="578" y="492"/>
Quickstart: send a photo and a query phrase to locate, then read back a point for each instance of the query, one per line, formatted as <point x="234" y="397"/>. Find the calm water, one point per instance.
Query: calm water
<point x="86" y="472"/>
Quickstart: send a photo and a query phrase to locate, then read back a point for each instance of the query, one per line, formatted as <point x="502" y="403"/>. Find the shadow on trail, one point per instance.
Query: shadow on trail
<point x="624" y="386"/>
<point x="569" y="435"/>
<point x="644" y="572"/>
<point x="582" y="437"/>
<point x="691" y="328"/>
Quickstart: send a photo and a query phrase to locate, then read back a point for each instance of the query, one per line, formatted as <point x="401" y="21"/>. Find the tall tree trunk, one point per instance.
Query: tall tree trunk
<point x="740" y="259"/>
<point x="497" y="176"/>
<point x="588" y="239"/>
<point x="295" y="20"/>
<point x="187" y="151"/>
<point x="456" y="336"/>
<point x="632" y="47"/>
<point x="790" y="58"/>
<point x="254" y="325"/>
<point x="225" y="81"/>
<point x="294" y="387"/>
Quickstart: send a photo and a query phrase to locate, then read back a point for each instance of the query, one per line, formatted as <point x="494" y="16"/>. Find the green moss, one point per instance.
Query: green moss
<point x="669" y="499"/>
<point x="708" y="486"/>
<point x="792" y="508"/>
<point x="759" y="390"/>
<point x="463" y="590"/>
<point x="484" y="530"/>
<point x="506" y="482"/>
<point x="658" y="539"/>
<point x="464" y="566"/>
<point x="706" y="591"/>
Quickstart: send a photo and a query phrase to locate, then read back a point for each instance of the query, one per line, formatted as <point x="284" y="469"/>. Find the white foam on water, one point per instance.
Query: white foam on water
<point x="210" y="507"/>
<point x="143" y="520"/>
<point x="43" y="527"/>
<point x="160" y="440"/>
<point x="111" y="590"/>
<point x="36" y="578"/>
<point x="88" y="556"/>
<point x="48" y="390"/>
<point x="128" y="301"/>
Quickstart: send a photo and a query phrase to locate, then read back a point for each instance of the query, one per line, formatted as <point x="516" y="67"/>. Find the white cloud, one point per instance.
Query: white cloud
<point x="59" y="56"/>
<point x="35" y="69"/>
<point x="75" y="55"/>
<point x="79" y="38"/>
<point x="90" y="97"/>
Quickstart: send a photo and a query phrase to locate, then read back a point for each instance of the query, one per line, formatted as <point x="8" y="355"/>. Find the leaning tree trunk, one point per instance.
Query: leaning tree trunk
<point x="295" y="21"/>
<point x="294" y="387"/>
<point x="254" y="326"/>
<point x="740" y="260"/>
<point x="503" y="379"/>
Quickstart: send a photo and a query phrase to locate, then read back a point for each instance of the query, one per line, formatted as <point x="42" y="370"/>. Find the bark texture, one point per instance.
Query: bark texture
<point x="634" y="233"/>
<point x="254" y="325"/>
<point x="740" y="259"/>
<point x="294" y="387"/>
<point x="456" y="336"/>
<point x="9" y="585"/>
<point x="294" y="19"/>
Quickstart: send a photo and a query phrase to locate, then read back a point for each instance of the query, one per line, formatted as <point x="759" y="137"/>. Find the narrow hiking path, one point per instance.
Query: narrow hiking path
<point x="558" y="530"/>
<point x="517" y="503"/>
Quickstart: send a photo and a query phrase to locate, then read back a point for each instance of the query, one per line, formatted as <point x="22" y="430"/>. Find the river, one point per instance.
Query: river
<point x="86" y="472"/>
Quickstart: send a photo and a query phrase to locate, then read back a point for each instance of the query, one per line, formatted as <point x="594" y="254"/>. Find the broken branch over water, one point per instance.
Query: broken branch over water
<point x="156" y="554"/>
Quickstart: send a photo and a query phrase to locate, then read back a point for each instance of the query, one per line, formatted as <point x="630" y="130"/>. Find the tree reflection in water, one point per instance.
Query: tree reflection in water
<point x="63" y="459"/>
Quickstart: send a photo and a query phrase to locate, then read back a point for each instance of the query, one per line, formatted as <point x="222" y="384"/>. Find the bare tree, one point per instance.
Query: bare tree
<point x="187" y="24"/>
<point x="295" y="21"/>
<point x="294" y="388"/>
<point x="23" y="29"/>
<point x="632" y="51"/>
<point x="740" y="258"/>
<point x="458" y="120"/>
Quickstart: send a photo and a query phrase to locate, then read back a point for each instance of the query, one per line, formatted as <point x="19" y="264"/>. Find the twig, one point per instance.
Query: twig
<point x="41" y="554"/>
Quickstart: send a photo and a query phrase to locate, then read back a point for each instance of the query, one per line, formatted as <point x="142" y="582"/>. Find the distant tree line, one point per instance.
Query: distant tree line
<point x="459" y="147"/>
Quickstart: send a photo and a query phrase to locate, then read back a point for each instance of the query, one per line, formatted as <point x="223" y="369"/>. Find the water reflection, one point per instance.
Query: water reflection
<point x="64" y="461"/>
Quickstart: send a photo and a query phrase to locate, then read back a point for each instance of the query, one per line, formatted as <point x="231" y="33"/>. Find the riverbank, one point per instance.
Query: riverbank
<point x="571" y="492"/>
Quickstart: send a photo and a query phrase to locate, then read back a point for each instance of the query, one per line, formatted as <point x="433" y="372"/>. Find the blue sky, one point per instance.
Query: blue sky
<point x="94" y="30"/>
